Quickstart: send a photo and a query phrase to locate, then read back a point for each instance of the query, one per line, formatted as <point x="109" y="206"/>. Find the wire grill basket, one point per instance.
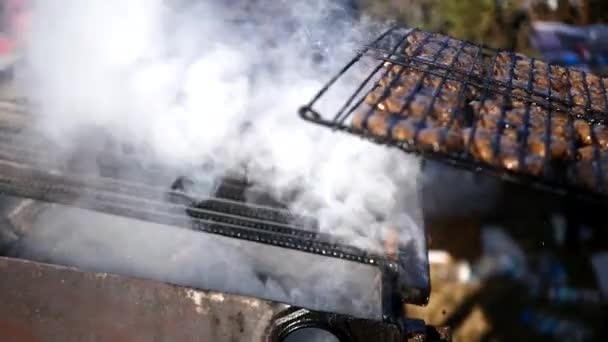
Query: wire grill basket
<point x="477" y="108"/>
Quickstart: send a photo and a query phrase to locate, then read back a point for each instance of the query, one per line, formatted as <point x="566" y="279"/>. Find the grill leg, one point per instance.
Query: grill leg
<point x="392" y="304"/>
<point x="584" y="225"/>
<point x="573" y="224"/>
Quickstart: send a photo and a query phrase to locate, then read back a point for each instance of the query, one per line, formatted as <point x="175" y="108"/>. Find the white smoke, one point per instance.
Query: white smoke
<point x="178" y="79"/>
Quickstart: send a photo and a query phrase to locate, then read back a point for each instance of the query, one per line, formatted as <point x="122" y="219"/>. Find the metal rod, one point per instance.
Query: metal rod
<point x="20" y="181"/>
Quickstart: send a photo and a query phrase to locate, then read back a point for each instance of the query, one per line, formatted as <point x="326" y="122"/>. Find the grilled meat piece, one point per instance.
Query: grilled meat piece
<point x="531" y="164"/>
<point x="488" y="107"/>
<point x="585" y="153"/>
<point x="601" y="135"/>
<point x="404" y="130"/>
<point x="430" y="51"/>
<point x="418" y="105"/>
<point x="598" y="99"/>
<point x="458" y="58"/>
<point x="393" y="69"/>
<point x="375" y="122"/>
<point x="534" y="165"/>
<point x="513" y="120"/>
<point x="511" y="65"/>
<point x="386" y="102"/>
<point x="542" y="75"/>
<point x="577" y="88"/>
<point x="358" y="120"/>
<point x="400" y="77"/>
<point x="586" y="91"/>
<point x="558" y="147"/>
<point x="586" y="174"/>
<point x="433" y="137"/>
<point x="583" y="131"/>
<point x="559" y="126"/>
<point x="514" y="69"/>
<point x="481" y="146"/>
<point x="510" y="162"/>
<point x="531" y="127"/>
<point x="441" y="108"/>
<point x="481" y="137"/>
<point x="559" y="81"/>
<point x="509" y="153"/>
<point x="452" y="87"/>
<point x="378" y="124"/>
<point x="508" y="146"/>
<point x="443" y="51"/>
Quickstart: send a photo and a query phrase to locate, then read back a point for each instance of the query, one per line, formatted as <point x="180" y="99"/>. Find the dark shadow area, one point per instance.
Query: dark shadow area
<point x="552" y="294"/>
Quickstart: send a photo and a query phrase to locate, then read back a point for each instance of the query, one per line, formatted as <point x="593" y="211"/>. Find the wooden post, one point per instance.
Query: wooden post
<point x="584" y="9"/>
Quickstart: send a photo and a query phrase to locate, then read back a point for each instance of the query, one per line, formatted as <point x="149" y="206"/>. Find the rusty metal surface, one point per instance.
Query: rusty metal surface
<point x="42" y="302"/>
<point x="49" y="303"/>
<point x="96" y="242"/>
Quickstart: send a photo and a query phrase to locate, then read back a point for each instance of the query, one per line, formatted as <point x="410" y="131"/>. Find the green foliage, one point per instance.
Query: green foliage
<point x="465" y="19"/>
<point x="490" y="22"/>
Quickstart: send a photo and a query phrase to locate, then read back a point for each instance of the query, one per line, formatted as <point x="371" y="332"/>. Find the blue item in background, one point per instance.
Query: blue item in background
<point x="570" y="59"/>
<point x="572" y="46"/>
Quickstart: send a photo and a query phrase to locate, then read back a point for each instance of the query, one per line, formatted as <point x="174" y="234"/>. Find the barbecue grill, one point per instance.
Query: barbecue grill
<point x="28" y="170"/>
<point x="474" y="107"/>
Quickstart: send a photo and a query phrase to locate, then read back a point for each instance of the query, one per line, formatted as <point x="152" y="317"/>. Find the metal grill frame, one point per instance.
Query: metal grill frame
<point x="390" y="47"/>
<point x="27" y="171"/>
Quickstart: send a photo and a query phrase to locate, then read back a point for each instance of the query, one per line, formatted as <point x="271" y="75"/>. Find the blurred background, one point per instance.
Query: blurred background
<point x="526" y="266"/>
<point x="568" y="32"/>
<point x="529" y="267"/>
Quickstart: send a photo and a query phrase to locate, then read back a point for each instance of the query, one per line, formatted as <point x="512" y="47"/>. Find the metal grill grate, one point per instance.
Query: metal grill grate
<point x="477" y="108"/>
<point x="27" y="169"/>
<point x="221" y="216"/>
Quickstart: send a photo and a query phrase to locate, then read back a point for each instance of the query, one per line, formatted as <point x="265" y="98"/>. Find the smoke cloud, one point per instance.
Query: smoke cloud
<point x="208" y="82"/>
<point x="217" y="84"/>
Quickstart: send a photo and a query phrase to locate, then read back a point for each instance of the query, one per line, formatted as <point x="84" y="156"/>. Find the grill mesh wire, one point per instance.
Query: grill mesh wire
<point x="494" y="77"/>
